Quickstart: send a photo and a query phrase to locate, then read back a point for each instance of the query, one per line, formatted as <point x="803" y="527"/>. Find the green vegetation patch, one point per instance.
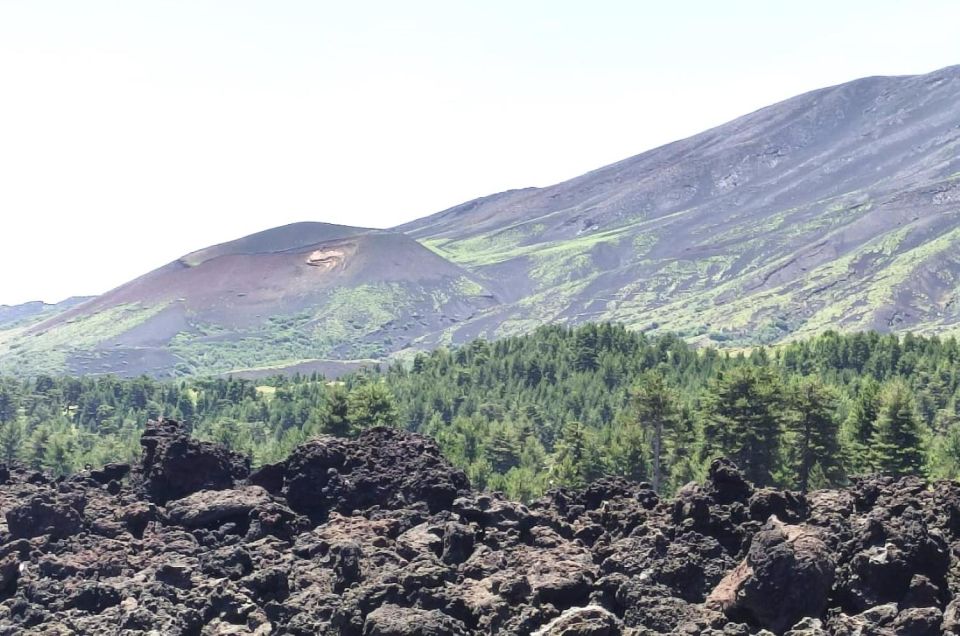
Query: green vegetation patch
<point x="48" y="351"/>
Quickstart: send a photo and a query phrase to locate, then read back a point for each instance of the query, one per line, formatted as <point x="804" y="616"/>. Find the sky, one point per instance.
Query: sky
<point x="133" y="132"/>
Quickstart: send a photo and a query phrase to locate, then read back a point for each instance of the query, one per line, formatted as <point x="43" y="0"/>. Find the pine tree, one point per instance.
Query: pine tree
<point x="897" y="446"/>
<point x="656" y="409"/>
<point x="502" y="451"/>
<point x="814" y="427"/>
<point x="577" y="459"/>
<point x="11" y="440"/>
<point x="371" y="404"/>
<point x="860" y="424"/>
<point x="585" y="344"/>
<point x="682" y="458"/>
<point x="626" y="450"/>
<point x="523" y="484"/>
<point x="944" y="456"/>
<point x="8" y="403"/>
<point x="742" y="421"/>
<point x="336" y="419"/>
<point x="59" y="455"/>
<point x="38" y="448"/>
<point x="185" y="406"/>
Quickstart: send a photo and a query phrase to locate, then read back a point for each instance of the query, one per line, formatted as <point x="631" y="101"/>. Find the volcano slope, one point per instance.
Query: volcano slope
<point x="380" y="536"/>
<point x="835" y="209"/>
<point x="301" y="294"/>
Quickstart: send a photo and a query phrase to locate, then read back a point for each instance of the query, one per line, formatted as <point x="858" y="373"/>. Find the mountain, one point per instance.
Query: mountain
<point x="836" y="209"/>
<point x="310" y="294"/>
<point x="25" y="313"/>
<point x="839" y="208"/>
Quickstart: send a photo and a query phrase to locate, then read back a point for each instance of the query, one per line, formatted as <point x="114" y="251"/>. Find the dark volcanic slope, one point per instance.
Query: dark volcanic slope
<point x="276" y="272"/>
<point x="285" y="296"/>
<point x="837" y="208"/>
<point x="381" y="537"/>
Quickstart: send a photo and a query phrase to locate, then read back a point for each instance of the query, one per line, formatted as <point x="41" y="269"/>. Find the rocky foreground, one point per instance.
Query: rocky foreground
<point x="381" y="537"/>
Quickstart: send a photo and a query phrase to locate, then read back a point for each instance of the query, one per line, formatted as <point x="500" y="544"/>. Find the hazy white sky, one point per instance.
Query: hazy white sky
<point x="134" y="131"/>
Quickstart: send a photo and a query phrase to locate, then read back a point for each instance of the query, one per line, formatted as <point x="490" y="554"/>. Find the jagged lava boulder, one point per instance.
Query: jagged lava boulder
<point x="787" y="575"/>
<point x="50" y="514"/>
<point x="384" y="467"/>
<point x="174" y="464"/>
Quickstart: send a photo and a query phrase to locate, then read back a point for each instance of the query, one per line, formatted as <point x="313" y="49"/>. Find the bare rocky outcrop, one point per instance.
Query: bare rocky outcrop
<point x="175" y="465"/>
<point x="591" y="620"/>
<point x="46" y="514"/>
<point x="381" y="536"/>
<point x="787" y="575"/>
<point x="383" y="467"/>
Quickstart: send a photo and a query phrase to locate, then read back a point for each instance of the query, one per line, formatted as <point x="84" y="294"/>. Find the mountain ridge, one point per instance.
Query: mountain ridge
<point x="668" y="184"/>
<point x="838" y="208"/>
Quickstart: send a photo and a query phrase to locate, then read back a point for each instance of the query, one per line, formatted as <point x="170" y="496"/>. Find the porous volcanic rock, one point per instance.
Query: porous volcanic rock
<point x="208" y="508"/>
<point x="175" y="465"/>
<point x="381" y="536"/>
<point x="787" y="575"/>
<point x="384" y="467"/>
<point x="591" y="620"/>
<point x="46" y="514"/>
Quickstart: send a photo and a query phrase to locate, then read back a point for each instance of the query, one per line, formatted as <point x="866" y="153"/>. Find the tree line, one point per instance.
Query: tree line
<point x="560" y="406"/>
